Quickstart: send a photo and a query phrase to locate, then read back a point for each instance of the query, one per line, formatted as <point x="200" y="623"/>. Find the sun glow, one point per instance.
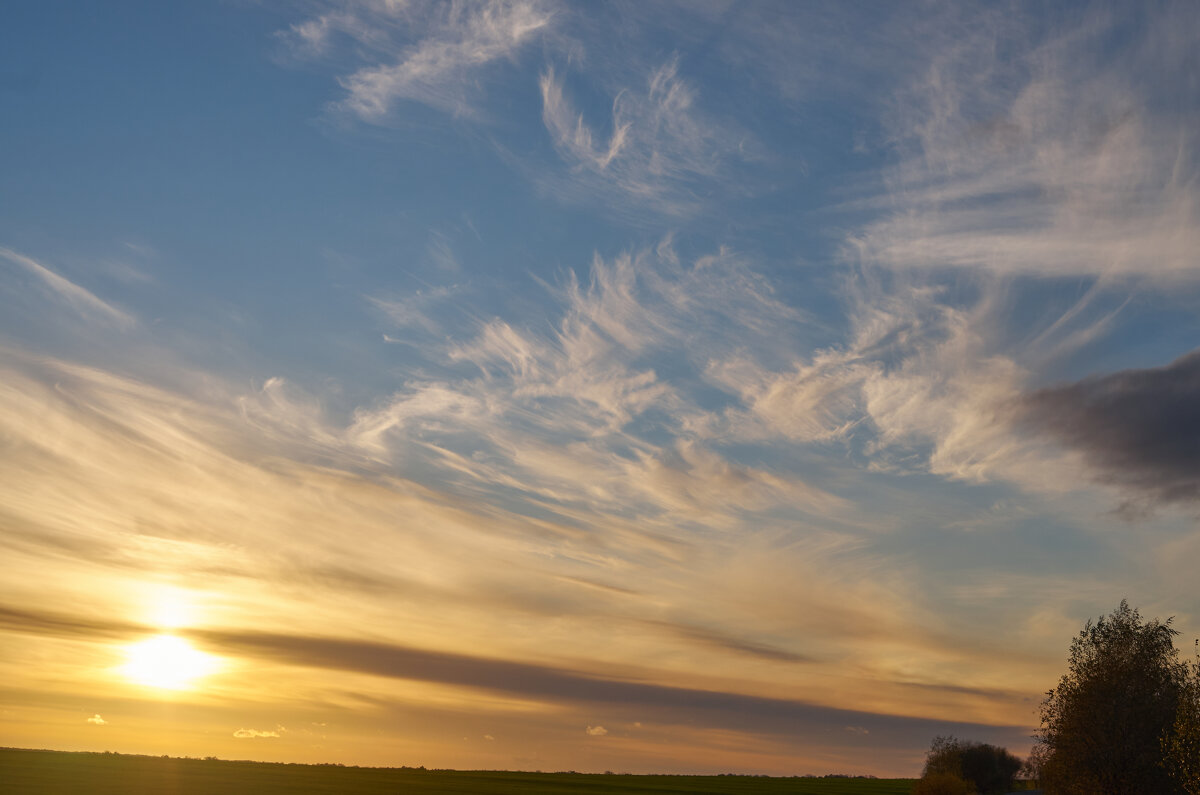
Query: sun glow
<point x="172" y="608"/>
<point x="167" y="662"/>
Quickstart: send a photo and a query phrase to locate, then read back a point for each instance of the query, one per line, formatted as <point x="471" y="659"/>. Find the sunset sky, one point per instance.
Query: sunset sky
<point x="755" y="387"/>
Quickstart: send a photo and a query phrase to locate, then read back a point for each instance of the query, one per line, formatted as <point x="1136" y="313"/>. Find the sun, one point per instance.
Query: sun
<point x="167" y="662"/>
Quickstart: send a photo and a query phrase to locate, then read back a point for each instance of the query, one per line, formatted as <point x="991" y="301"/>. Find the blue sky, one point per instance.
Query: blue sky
<point x="709" y="387"/>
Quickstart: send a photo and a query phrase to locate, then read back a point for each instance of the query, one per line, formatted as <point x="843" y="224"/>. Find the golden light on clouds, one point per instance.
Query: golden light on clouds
<point x="167" y="662"/>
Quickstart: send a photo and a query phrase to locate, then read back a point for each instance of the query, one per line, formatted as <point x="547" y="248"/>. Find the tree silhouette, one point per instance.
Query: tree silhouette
<point x="1181" y="747"/>
<point x="1105" y="725"/>
<point x="981" y="767"/>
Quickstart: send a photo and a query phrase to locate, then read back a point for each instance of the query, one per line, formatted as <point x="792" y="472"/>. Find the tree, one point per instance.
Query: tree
<point x="1033" y="770"/>
<point x="983" y="768"/>
<point x="1103" y="727"/>
<point x="1181" y="747"/>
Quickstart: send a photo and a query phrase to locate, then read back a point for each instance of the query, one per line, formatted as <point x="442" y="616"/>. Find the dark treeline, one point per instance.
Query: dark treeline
<point x="1123" y="720"/>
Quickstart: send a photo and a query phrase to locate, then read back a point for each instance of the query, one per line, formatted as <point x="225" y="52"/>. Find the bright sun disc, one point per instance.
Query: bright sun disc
<point x="167" y="662"/>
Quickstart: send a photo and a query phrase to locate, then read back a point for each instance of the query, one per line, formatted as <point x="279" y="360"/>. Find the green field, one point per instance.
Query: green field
<point x="23" y="771"/>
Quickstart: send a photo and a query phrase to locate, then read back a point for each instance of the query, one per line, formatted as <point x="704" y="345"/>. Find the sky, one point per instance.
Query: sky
<point x="757" y="387"/>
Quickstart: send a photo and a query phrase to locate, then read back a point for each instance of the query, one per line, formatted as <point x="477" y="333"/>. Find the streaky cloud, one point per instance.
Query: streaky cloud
<point x="78" y="298"/>
<point x="432" y="53"/>
<point x="728" y="642"/>
<point x="569" y="131"/>
<point x="661" y="146"/>
<point x="727" y="710"/>
<point x="60" y="625"/>
<point x="1053" y="161"/>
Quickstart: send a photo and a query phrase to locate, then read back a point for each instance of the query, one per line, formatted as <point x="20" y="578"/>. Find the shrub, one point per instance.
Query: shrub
<point x="943" y="784"/>
<point x="986" y="768"/>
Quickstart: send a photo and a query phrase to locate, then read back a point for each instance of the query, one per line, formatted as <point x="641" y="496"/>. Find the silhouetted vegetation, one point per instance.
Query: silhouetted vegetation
<point x="1123" y="718"/>
<point x="1181" y="746"/>
<point x="36" y="772"/>
<point x="943" y="784"/>
<point x="962" y="767"/>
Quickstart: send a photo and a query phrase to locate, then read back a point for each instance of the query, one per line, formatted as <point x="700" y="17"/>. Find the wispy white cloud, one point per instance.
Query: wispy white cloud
<point x="442" y="253"/>
<point x="1045" y="162"/>
<point x="363" y="22"/>
<point x="578" y="415"/>
<point x="923" y="382"/>
<point x="951" y="393"/>
<point x="1054" y="161"/>
<point x="658" y="146"/>
<point x="433" y="53"/>
<point x="569" y="132"/>
<point x="818" y="400"/>
<point x="250" y="734"/>
<point x="415" y="310"/>
<point x="654" y="146"/>
<point x="285" y="413"/>
<point x="69" y="293"/>
<point x="596" y="731"/>
<point x="96" y="720"/>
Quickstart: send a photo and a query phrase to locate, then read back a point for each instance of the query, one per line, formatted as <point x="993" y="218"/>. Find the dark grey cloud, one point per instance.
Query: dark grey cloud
<point x="60" y="625"/>
<point x="726" y="642"/>
<point x="628" y="699"/>
<point x="1139" y="428"/>
<point x="633" y="700"/>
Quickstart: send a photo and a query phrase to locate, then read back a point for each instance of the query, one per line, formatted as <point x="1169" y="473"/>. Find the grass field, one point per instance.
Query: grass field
<point x="23" y="771"/>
